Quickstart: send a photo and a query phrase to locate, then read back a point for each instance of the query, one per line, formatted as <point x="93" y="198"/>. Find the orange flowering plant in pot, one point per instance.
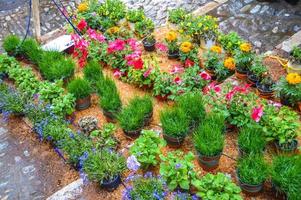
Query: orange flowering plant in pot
<point x="213" y="59"/>
<point x="171" y="40"/>
<point x="188" y="54"/>
<point x="243" y="57"/>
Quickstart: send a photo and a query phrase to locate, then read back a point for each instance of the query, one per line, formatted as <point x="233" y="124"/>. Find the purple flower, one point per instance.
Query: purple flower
<point x="178" y="165"/>
<point x="132" y="163"/>
<point x="148" y="175"/>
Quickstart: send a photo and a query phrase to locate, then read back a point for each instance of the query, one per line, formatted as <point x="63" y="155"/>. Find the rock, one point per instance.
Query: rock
<point x="256" y="9"/>
<point x="3" y="145"/>
<point x="7" y="18"/>
<point x="28" y="169"/>
<point x="46" y="9"/>
<point x="26" y="153"/>
<point x="258" y="44"/>
<point x="246" y="8"/>
<point x="296" y="28"/>
<point x="264" y="9"/>
<point x="18" y="159"/>
<point x="275" y="29"/>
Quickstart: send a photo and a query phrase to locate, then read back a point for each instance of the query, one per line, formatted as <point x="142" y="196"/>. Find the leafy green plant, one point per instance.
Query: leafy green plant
<point x="243" y="60"/>
<point x="251" y="139"/>
<point x="135" y="15"/>
<point x="219" y="186"/>
<point x="174" y="122"/>
<point x="104" y="165"/>
<point x="258" y="69"/>
<point x="230" y="42"/>
<point x="11" y="44"/>
<point x="192" y="104"/>
<point x="93" y="72"/>
<point x="104" y="138"/>
<point x="162" y="84"/>
<point x="53" y="129"/>
<point x="221" y="72"/>
<point x="63" y="105"/>
<point x="177" y="169"/>
<point x="112" y="11"/>
<point x="286" y="175"/>
<point x="12" y="101"/>
<point x="176" y="15"/>
<point x="296" y="54"/>
<point x="49" y="91"/>
<point x="252" y="169"/>
<point x="212" y="59"/>
<point x="290" y="92"/>
<point x="144" y="27"/>
<point x="147" y="148"/>
<point x="209" y="138"/>
<point x="80" y="88"/>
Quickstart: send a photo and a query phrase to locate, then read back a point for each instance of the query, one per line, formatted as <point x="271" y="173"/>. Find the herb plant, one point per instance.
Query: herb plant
<point x="105" y="138"/>
<point x="11" y="44"/>
<point x="93" y="72"/>
<point x="80" y="88"/>
<point x="177" y="15"/>
<point x="135" y="15"/>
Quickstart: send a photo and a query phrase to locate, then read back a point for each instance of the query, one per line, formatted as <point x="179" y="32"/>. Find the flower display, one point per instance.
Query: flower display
<point x="82" y="7"/>
<point x="257" y="113"/>
<point x="186" y="47"/>
<point x="245" y="47"/>
<point x="82" y="25"/>
<point x="178" y="80"/>
<point x="171" y="36"/>
<point x="188" y="63"/>
<point x="293" y="78"/>
<point x="161" y="47"/>
<point x="177" y="69"/>
<point x="117" y="45"/>
<point x="216" y="49"/>
<point x="94" y="35"/>
<point x="229" y="63"/>
<point x="113" y="30"/>
<point x="204" y="75"/>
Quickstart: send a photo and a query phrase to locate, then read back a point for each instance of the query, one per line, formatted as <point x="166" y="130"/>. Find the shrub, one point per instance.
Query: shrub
<point x="174" y="122"/>
<point x="193" y="106"/>
<point x="286" y="175"/>
<point x="147" y="148"/>
<point x="177" y="169"/>
<point x="80" y="88"/>
<point x="104" y="165"/>
<point x="252" y="169"/>
<point x="209" y="138"/>
<point x="217" y="186"/>
<point x="93" y="72"/>
<point x="251" y="139"/>
<point x="54" y="65"/>
<point x="11" y="44"/>
<point x="147" y="187"/>
<point x="177" y="15"/>
<point x="135" y="15"/>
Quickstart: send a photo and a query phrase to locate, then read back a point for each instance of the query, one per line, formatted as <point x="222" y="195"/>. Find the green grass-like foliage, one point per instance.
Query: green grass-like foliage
<point x="193" y="106"/>
<point x="174" y="122"/>
<point x="252" y="169"/>
<point x="209" y="137"/>
<point x="286" y="175"/>
<point x="80" y="88"/>
<point x="132" y="117"/>
<point x="219" y="186"/>
<point x="93" y="71"/>
<point x="31" y="50"/>
<point x="104" y="165"/>
<point x="147" y="148"/>
<point x="11" y="43"/>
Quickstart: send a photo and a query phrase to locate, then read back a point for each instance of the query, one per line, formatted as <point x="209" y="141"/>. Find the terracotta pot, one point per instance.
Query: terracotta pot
<point x="249" y="188"/>
<point x="111" y="185"/>
<point x="173" y="141"/>
<point x="267" y="94"/>
<point x="241" y="74"/>
<point x="209" y="162"/>
<point x="162" y="97"/>
<point x="84" y="103"/>
<point x="299" y="106"/>
<point x="210" y="72"/>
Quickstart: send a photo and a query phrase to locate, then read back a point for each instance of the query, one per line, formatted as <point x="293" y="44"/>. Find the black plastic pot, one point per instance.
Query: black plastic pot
<point x="209" y="162"/>
<point x="264" y="91"/>
<point x="249" y="188"/>
<point x="110" y="116"/>
<point x="292" y="2"/>
<point x="252" y="79"/>
<point x="287" y="148"/>
<point x="173" y="55"/>
<point x="149" y="45"/>
<point x="173" y="141"/>
<point x="111" y="185"/>
<point x="133" y="133"/>
<point x="285" y="100"/>
<point x="148" y="119"/>
<point x="84" y="103"/>
<point x="279" y="194"/>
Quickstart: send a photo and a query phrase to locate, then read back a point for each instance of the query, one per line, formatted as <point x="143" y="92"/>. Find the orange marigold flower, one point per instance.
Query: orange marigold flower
<point x="82" y="7"/>
<point x="293" y="78"/>
<point x="113" y="30"/>
<point x="186" y="47"/>
<point x="245" y="47"/>
<point x="216" y="49"/>
<point x="229" y="63"/>
<point x="171" y="36"/>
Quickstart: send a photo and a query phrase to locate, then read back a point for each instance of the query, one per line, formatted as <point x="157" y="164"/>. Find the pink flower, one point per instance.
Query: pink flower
<point x="147" y="73"/>
<point x="188" y="63"/>
<point x="82" y="25"/>
<point x="230" y="95"/>
<point x="117" y="45"/>
<point x="212" y="86"/>
<point x="133" y="44"/>
<point x="117" y="73"/>
<point x="161" y="47"/>
<point x="178" y="80"/>
<point x="177" y="69"/>
<point x="204" y="75"/>
<point x="96" y="36"/>
<point x="217" y="88"/>
<point x="257" y="113"/>
<point x="138" y="64"/>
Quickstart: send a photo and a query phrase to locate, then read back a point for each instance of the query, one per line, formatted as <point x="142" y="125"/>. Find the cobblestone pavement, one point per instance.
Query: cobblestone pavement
<point x="265" y="24"/>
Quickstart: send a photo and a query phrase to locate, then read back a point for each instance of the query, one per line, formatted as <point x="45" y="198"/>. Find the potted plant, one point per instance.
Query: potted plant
<point x="144" y="105"/>
<point x="11" y="44"/>
<point x="147" y="148"/>
<point x="81" y="90"/>
<point x="251" y="140"/>
<point x="172" y="44"/>
<point x="294" y="64"/>
<point x="175" y="125"/>
<point x="243" y="58"/>
<point x="212" y="59"/>
<point x="177" y="15"/>
<point x="216" y="187"/>
<point x="285" y="175"/>
<point x="149" y="43"/>
<point x="145" y="187"/>
<point x="5" y="63"/>
<point x="93" y="72"/>
<point x="192" y="104"/>
<point x="288" y="89"/>
<point x="64" y="105"/>
<point x="110" y="101"/>
<point x="230" y="42"/>
<point x="256" y="73"/>
<point x="209" y="143"/>
<point x="265" y="87"/>
<point x="252" y="171"/>
<point x="144" y="27"/>
<point x="177" y="169"/>
<point x="104" y="138"/>
<point x="162" y="86"/>
<point x="105" y="167"/>
<point x="188" y="54"/>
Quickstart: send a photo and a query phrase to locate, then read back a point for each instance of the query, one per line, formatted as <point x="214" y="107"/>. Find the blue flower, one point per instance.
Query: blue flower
<point x="132" y="163"/>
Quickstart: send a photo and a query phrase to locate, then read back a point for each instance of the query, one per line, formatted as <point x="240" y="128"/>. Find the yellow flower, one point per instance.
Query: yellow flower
<point x="245" y="47"/>
<point x="216" y="49"/>
<point x="181" y="31"/>
<point x="186" y="47"/>
<point x="229" y="63"/>
<point x="171" y="36"/>
<point x="82" y="7"/>
<point x="113" y="30"/>
<point x="293" y="78"/>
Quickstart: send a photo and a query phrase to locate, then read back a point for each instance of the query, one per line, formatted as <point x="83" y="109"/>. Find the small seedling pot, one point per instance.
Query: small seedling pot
<point x="209" y="162"/>
<point x="149" y="45"/>
<point x="287" y="148"/>
<point x="133" y="133"/>
<point x="84" y="103"/>
<point x="111" y="185"/>
<point x="148" y="119"/>
<point x="249" y="188"/>
<point x="240" y="74"/>
<point x="174" y="142"/>
<point x="264" y="92"/>
<point x="173" y="55"/>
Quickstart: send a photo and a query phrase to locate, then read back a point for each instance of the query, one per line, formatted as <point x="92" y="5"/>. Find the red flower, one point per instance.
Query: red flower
<point x="257" y="113"/>
<point x="117" y="45"/>
<point x="188" y="63"/>
<point x="204" y="75"/>
<point x="178" y="80"/>
<point x="230" y="95"/>
<point x="138" y="64"/>
<point x="82" y="25"/>
<point x="217" y="88"/>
